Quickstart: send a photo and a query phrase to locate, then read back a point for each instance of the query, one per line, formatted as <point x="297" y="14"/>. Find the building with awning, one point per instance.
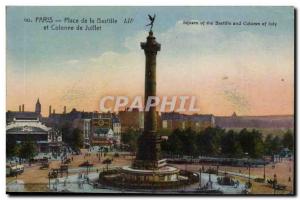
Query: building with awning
<point x="22" y="129"/>
<point x="103" y="137"/>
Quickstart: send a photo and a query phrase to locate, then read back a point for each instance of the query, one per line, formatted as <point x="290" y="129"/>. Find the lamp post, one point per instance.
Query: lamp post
<point x="264" y="168"/>
<point x="209" y="180"/>
<point x="220" y="151"/>
<point x="49" y="174"/>
<point x="123" y="180"/>
<point x="246" y="153"/>
<point x="16" y="173"/>
<point x="249" y="173"/>
<point x="200" y="172"/>
<point x="275" y="183"/>
<point x="153" y="181"/>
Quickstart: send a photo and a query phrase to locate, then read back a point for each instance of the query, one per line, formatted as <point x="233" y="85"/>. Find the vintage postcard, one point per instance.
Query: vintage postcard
<point x="150" y="100"/>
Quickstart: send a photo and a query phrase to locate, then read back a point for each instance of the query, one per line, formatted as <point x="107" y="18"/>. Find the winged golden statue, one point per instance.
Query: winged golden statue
<point x="151" y="21"/>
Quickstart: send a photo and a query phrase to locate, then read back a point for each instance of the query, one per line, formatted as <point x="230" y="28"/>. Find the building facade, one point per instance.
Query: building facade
<point x="99" y="129"/>
<point x="131" y="120"/>
<point x="171" y="121"/>
<point x="45" y="138"/>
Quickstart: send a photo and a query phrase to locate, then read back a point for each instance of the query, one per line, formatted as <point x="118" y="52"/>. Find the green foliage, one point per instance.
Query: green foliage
<point x="268" y="144"/>
<point x="218" y="142"/>
<point x="77" y="138"/>
<point x="107" y="161"/>
<point x="130" y="138"/>
<point x="288" y="140"/>
<point x="27" y="149"/>
<point x="71" y="136"/>
<point x="67" y="133"/>
<point x="174" y="143"/>
<point x="272" y="144"/>
<point x="181" y="142"/>
<point x="12" y="148"/>
<point x="252" y="143"/>
<point x="230" y="144"/>
<point x="209" y="141"/>
<point x="165" y="132"/>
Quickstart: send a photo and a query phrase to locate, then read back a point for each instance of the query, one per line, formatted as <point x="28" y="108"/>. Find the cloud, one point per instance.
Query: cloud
<point x="197" y="58"/>
<point x="72" y="62"/>
<point x="192" y="61"/>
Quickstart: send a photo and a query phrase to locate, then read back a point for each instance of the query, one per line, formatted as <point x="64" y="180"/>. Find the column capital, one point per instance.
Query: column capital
<point x="151" y="46"/>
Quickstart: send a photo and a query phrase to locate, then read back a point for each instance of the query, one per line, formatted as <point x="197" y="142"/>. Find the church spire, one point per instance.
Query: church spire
<point x="38" y="106"/>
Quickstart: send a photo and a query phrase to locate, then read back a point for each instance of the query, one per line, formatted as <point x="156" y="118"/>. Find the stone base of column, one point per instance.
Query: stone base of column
<point x="148" y="154"/>
<point x="149" y="164"/>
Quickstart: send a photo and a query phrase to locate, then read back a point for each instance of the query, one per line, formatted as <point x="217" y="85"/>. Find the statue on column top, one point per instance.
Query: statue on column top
<point x="151" y="21"/>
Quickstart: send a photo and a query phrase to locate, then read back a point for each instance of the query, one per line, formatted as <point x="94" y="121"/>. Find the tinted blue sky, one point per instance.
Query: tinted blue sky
<point x="77" y="68"/>
<point x="38" y="44"/>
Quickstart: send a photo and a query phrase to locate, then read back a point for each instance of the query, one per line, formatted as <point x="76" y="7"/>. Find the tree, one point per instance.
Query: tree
<point x="164" y="145"/>
<point x="209" y="140"/>
<point x="188" y="137"/>
<point x="259" y="144"/>
<point x="77" y="138"/>
<point x="268" y="144"/>
<point x="130" y="137"/>
<point x="12" y="147"/>
<point x="107" y="161"/>
<point x="230" y="144"/>
<point x="288" y="140"/>
<point x="67" y="135"/>
<point x="181" y="142"/>
<point x="27" y="149"/>
<point x="165" y="132"/>
<point x="175" y="144"/>
<point x="275" y="145"/>
<point x="252" y="142"/>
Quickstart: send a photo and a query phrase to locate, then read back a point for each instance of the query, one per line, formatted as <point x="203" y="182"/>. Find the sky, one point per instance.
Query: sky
<point x="244" y="69"/>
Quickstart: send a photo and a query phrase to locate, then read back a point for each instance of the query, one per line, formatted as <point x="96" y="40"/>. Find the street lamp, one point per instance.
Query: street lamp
<point x="200" y="172"/>
<point x="16" y="173"/>
<point x="246" y="153"/>
<point x="249" y="174"/>
<point x="153" y="180"/>
<point x="49" y="177"/>
<point x="87" y="169"/>
<point x="274" y="183"/>
<point x="264" y="168"/>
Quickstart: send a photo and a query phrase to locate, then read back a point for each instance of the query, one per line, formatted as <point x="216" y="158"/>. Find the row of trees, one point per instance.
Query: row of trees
<point x="217" y="141"/>
<point x="130" y="138"/>
<point x="72" y="136"/>
<point x="25" y="150"/>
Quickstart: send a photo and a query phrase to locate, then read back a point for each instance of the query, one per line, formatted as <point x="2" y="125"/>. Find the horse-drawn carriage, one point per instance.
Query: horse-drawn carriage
<point x="45" y="165"/>
<point x="13" y="170"/>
